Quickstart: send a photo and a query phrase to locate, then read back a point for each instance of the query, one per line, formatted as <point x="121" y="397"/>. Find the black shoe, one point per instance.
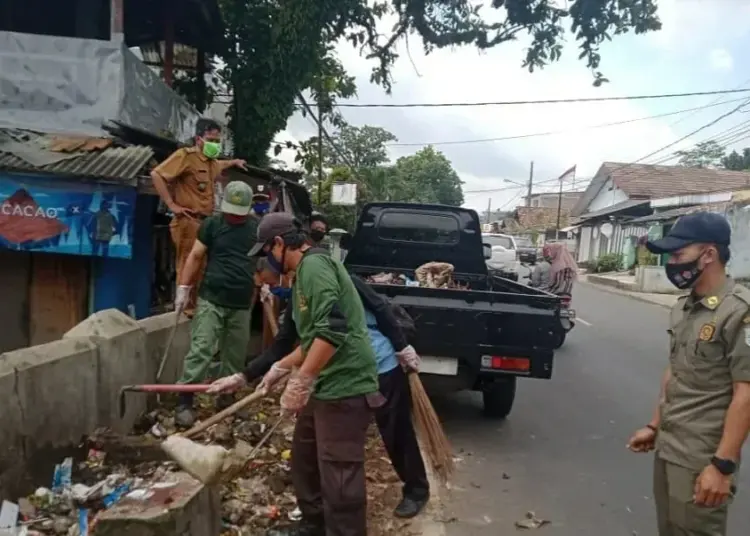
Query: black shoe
<point x="301" y="529"/>
<point x="410" y="507"/>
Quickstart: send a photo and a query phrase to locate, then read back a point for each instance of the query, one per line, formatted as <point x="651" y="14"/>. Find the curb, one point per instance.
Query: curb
<point x="624" y="293"/>
<point x="430" y="521"/>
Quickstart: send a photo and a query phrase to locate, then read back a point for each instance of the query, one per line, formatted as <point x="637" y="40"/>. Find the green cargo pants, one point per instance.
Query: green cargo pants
<point x="676" y="513"/>
<point x="214" y="325"/>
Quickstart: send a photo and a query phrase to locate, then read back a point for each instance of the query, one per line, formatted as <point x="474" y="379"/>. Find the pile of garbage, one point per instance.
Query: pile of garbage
<point x="430" y="275"/>
<point x="260" y="495"/>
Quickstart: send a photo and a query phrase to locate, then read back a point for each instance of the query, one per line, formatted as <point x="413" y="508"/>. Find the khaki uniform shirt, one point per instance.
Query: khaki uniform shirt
<point x="191" y="176"/>
<point x="709" y="351"/>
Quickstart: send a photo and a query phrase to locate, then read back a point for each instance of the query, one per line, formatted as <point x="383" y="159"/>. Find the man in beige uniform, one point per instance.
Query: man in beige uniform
<point x="185" y="182"/>
<point x="703" y="417"/>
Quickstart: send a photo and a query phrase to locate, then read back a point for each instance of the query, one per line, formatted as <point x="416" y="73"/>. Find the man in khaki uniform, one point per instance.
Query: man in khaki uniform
<point x="703" y="417"/>
<point x="185" y="182"/>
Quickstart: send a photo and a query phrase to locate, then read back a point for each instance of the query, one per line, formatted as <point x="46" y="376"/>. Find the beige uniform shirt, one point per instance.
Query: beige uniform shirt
<point x="191" y="176"/>
<point x="709" y="351"/>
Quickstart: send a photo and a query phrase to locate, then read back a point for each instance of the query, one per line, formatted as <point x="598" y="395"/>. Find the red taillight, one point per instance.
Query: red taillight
<point x="520" y="364"/>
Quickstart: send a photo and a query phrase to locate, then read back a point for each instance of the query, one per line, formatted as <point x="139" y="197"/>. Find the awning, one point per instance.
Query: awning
<point x="569" y="228"/>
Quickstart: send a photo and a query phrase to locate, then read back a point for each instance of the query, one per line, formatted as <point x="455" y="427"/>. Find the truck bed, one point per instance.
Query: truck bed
<point x="503" y="319"/>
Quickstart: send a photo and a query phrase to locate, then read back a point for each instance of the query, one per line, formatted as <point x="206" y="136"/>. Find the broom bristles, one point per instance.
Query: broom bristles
<point x="430" y="430"/>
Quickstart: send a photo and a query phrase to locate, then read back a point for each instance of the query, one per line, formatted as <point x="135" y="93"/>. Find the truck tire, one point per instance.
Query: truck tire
<point x="559" y="339"/>
<point x="498" y="398"/>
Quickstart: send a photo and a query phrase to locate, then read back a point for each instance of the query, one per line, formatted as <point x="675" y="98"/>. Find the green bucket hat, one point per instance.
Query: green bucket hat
<point x="238" y="198"/>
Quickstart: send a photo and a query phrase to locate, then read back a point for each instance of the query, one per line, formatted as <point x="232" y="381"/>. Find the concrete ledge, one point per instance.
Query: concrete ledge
<point x="54" y="394"/>
<point x="662" y="300"/>
<point x="189" y="508"/>
<point x="607" y="281"/>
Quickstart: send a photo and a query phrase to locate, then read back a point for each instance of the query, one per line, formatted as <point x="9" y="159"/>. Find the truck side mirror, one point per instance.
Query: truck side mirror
<point x="487" y="250"/>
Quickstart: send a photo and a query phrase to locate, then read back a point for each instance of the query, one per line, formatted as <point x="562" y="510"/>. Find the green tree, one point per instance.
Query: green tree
<point x="707" y="154"/>
<point x="736" y="161"/>
<point x="429" y="177"/>
<point x="276" y="49"/>
<point x="358" y="146"/>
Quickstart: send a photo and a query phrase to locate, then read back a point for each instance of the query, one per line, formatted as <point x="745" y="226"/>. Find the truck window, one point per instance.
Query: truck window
<point x="503" y="241"/>
<point x="418" y="227"/>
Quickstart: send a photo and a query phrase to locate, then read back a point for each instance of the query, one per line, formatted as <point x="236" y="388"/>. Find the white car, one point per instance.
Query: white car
<point x="503" y="251"/>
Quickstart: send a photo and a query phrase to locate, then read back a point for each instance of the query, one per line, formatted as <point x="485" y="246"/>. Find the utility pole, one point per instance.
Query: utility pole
<point x="489" y="210"/>
<point x="320" y="154"/>
<point x="559" y="207"/>
<point x="531" y="184"/>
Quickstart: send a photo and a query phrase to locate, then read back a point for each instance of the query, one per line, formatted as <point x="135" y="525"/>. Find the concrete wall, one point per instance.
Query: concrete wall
<point x="55" y="394"/>
<point x="739" y="265"/>
<point x="653" y="279"/>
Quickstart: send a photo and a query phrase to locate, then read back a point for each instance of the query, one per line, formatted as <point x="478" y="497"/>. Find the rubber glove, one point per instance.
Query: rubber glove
<point x="297" y="392"/>
<point x="272" y="377"/>
<point x="228" y="384"/>
<point x="409" y="358"/>
<point x="181" y="297"/>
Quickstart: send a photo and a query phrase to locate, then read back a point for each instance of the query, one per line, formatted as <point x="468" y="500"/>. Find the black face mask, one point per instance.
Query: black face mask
<point x="317" y="235"/>
<point x="684" y="275"/>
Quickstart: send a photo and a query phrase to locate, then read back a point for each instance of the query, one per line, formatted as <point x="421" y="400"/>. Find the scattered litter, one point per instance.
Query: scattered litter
<point x="8" y="515"/>
<point x="258" y="497"/>
<point x="531" y="522"/>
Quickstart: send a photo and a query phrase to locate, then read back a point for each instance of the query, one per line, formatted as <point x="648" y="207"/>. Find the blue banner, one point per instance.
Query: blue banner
<point x="62" y="216"/>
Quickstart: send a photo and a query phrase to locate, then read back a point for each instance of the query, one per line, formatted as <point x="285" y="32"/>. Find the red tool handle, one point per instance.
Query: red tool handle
<point x="168" y="388"/>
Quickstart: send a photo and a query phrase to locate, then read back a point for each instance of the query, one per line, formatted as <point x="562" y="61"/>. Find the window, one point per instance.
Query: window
<point x="503" y="241"/>
<point x="418" y="227"/>
<point x="524" y="243"/>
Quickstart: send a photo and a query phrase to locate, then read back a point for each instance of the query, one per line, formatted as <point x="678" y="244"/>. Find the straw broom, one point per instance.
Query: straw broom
<point x="431" y="433"/>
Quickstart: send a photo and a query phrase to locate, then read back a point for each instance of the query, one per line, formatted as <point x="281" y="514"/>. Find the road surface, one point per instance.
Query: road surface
<point x="561" y="453"/>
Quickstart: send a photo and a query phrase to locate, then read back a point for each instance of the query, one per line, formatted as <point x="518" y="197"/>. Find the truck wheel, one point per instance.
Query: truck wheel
<point x="498" y="398"/>
<point x="559" y="339"/>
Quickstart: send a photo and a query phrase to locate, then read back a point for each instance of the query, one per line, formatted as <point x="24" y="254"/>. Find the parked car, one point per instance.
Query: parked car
<point x="526" y="252"/>
<point x="503" y="259"/>
<point x="482" y="338"/>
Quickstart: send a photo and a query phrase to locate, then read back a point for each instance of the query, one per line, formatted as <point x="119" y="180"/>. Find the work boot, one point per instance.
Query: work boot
<point x="410" y="506"/>
<point x="301" y="529"/>
<point x="184" y="415"/>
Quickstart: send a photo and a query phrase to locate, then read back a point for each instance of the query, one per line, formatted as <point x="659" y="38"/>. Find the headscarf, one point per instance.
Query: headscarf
<point x="560" y="259"/>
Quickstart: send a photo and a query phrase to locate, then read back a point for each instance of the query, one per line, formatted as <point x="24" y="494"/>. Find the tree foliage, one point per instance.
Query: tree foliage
<point x="277" y="49"/>
<point x="359" y="154"/>
<point x="736" y="161"/>
<point x="707" y="154"/>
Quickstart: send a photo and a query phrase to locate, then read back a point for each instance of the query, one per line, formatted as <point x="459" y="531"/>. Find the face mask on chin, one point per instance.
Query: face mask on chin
<point x="277" y="266"/>
<point x="684" y="275"/>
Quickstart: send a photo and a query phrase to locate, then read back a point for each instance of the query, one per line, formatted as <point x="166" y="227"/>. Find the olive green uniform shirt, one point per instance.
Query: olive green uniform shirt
<point x="709" y="351"/>
<point x="327" y="306"/>
<point x="228" y="280"/>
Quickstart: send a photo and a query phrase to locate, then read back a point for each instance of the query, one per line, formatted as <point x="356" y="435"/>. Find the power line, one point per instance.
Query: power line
<point x="541" y="101"/>
<point x="563" y="131"/>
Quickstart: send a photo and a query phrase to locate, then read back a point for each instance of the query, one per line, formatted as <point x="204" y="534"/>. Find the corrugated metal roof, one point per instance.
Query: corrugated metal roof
<point x="631" y="203"/>
<point x="77" y="156"/>
<point x="674" y="213"/>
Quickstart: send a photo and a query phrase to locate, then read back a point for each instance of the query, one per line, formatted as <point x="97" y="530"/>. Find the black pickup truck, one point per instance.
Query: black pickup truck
<point x="481" y="339"/>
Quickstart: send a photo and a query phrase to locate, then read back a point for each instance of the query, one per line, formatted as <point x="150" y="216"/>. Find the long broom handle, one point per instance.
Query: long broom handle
<point x="240" y="404"/>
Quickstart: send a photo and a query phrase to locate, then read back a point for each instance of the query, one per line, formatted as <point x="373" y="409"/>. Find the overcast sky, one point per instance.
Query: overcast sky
<point x="702" y="47"/>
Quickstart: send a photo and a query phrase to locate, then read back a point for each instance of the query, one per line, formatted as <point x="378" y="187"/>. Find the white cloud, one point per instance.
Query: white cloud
<point x="463" y="75"/>
<point x="721" y="59"/>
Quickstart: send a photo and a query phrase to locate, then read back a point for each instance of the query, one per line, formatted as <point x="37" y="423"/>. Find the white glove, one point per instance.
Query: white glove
<point x="228" y="384"/>
<point x="409" y="358"/>
<point x="272" y="377"/>
<point x="181" y="297"/>
<point x="265" y="293"/>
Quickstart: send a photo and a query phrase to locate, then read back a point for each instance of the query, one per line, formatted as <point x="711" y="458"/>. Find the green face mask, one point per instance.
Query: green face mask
<point x="211" y="149"/>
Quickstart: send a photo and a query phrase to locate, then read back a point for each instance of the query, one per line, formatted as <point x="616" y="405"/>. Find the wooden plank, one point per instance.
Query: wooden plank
<point x="15" y="269"/>
<point x="58" y="295"/>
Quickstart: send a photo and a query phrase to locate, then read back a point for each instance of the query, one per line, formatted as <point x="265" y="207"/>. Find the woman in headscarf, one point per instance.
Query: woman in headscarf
<point x="563" y="269"/>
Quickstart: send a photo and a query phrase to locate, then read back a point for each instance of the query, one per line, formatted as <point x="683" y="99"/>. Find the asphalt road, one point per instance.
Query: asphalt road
<point x="561" y="453"/>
